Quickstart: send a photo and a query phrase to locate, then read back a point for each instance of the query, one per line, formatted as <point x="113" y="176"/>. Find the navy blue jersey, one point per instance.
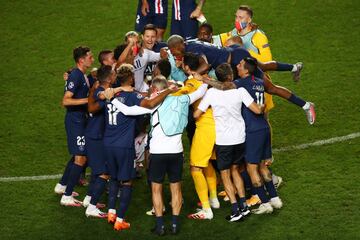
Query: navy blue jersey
<point x="238" y="53"/>
<point x="120" y="129"/>
<point x="92" y="80"/>
<point x="158" y="46"/>
<point x="182" y="9"/>
<point x="255" y="86"/>
<point x="214" y="55"/>
<point x="96" y="121"/>
<point x="79" y="86"/>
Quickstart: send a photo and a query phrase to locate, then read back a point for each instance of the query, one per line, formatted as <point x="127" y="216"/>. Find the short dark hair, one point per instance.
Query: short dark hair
<point x="207" y="26"/>
<point x="223" y="71"/>
<point x="102" y="55"/>
<point x="247" y="9"/>
<point x="103" y="73"/>
<point x="192" y="60"/>
<point x="80" y="52"/>
<point x="150" y="27"/>
<point x="164" y="67"/>
<point x="250" y="64"/>
<point x="118" y="50"/>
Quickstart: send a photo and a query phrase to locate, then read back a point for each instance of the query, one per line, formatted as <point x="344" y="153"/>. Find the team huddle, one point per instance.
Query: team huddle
<point x="147" y="92"/>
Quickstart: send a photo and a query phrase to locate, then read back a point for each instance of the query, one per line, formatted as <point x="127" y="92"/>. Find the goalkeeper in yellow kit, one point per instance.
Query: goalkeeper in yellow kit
<point x="202" y="145"/>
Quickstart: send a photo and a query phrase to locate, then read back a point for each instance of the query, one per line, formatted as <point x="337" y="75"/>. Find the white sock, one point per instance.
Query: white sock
<point x="113" y="211"/>
<point x="119" y="219"/>
<point x="295" y="68"/>
<point x="306" y="106"/>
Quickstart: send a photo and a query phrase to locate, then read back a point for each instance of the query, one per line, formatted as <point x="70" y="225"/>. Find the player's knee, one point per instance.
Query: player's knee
<point x="195" y="169"/>
<point x="266" y="175"/>
<point x="80" y="160"/>
<point x="126" y="183"/>
<point x="256" y="183"/>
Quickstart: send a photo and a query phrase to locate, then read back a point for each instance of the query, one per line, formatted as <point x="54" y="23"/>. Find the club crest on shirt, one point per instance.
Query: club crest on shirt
<point x="139" y="96"/>
<point x="71" y="85"/>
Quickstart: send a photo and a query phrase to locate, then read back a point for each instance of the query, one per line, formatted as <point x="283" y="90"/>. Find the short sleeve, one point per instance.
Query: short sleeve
<point x="238" y="83"/>
<point x="73" y="82"/>
<point x="206" y="101"/>
<point x="245" y="97"/>
<point x="97" y="99"/>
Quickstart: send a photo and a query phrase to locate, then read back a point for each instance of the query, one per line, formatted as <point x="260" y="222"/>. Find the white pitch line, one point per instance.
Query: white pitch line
<point x="276" y="150"/>
<point x="30" y="178"/>
<point x="318" y="143"/>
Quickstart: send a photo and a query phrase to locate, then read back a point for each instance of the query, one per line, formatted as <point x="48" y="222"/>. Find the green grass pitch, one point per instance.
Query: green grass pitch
<point x="321" y="191"/>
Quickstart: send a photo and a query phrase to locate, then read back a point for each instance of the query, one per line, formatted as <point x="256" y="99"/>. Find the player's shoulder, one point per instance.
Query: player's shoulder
<point x="75" y="74"/>
<point x="259" y="35"/>
<point x="158" y="46"/>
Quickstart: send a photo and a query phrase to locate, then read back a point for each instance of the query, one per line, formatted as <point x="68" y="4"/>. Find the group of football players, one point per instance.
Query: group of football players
<point x="143" y="96"/>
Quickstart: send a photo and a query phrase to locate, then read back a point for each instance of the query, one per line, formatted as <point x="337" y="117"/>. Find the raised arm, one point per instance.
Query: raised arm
<point x="151" y="103"/>
<point x="214" y="83"/>
<point x="197" y="12"/>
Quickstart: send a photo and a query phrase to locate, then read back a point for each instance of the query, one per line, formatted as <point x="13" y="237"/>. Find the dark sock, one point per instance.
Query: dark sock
<point x="271" y="189"/>
<point x="113" y="191"/>
<point x="91" y="185"/>
<point x="246" y="178"/>
<point x="260" y="191"/>
<point x="65" y="177"/>
<point x="98" y="190"/>
<point x="242" y="203"/>
<point x="159" y="222"/>
<point x="175" y="219"/>
<point x="284" y="66"/>
<point x="73" y="179"/>
<point x="234" y="208"/>
<point x="125" y="198"/>
<point x="148" y="180"/>
<point x="296" y="100"/>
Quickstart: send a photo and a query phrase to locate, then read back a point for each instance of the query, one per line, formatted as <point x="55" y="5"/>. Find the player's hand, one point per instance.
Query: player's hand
<point x="163" y="53"/>
<point x="96" y="84"/>
<point x="196" y="13"/>
<point x="109" y="93"/>
<point x="145" y="8"/>
<point x="131" y="41"/>
<point x="65" y="76"/>
<point x="173" y="88"/>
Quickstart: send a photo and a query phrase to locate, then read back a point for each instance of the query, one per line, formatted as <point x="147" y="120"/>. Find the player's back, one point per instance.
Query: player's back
<point x="226" y="106"/>
<point x="214" y="55"/>
<point x="255" y="87"/>
<point x="120" y="129"/>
